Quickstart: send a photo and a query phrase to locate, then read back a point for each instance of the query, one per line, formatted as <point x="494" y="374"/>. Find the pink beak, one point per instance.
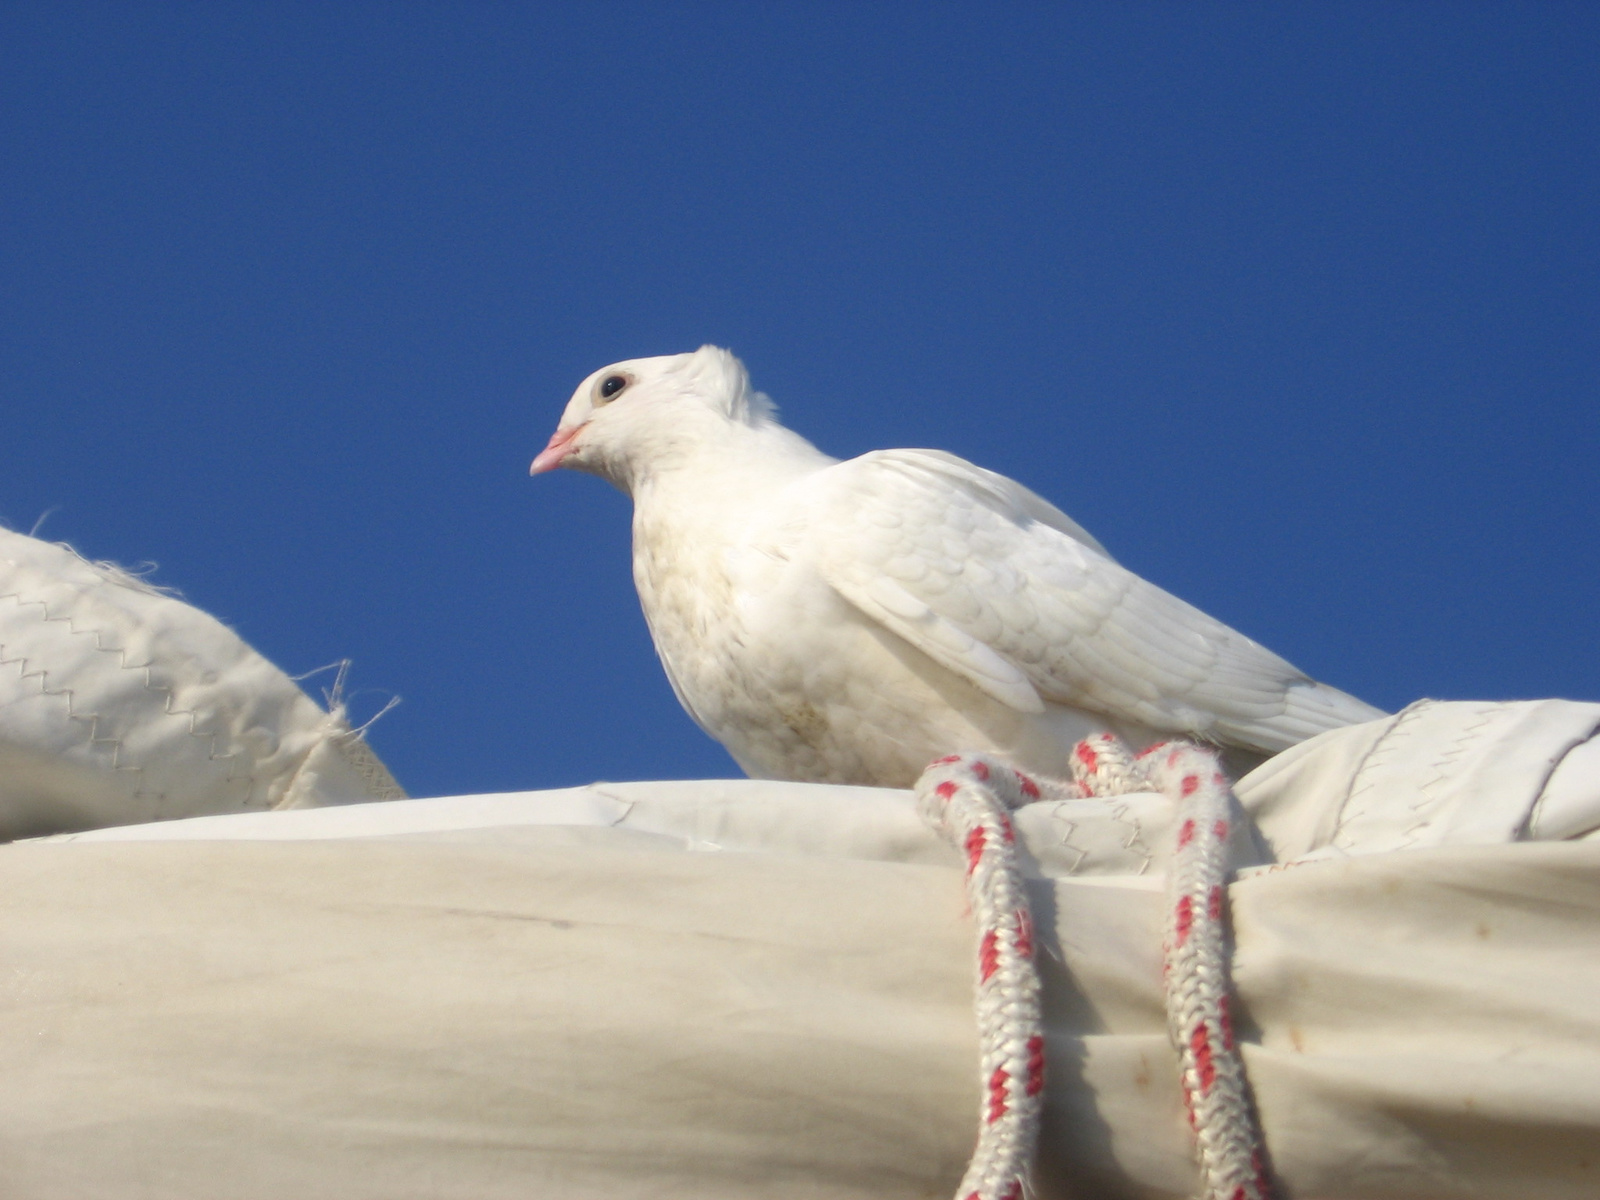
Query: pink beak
<point x="552" y="455"/>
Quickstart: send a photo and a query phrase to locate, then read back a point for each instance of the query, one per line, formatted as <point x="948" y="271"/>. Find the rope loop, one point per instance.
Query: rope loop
<point x="968" y="799"/>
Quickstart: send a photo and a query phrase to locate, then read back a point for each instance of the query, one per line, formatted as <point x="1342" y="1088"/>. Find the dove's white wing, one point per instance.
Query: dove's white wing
<point x="997" y="585"/>
<point x="1007" y="492"/>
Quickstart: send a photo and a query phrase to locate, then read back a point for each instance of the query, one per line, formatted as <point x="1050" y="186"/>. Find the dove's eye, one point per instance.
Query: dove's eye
<point x="611" y="385"/>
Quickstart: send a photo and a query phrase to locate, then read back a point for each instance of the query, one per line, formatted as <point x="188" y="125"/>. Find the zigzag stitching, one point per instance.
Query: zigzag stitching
<point x="1349" y="812"/>
<point x="1121" y="814"/>
<point x="1441" y="764"/>
<point x="72" y="714"/>
<point x="1066" y="838"/>
<point x="1451" y="754"/>
<point x="122" y="664"/>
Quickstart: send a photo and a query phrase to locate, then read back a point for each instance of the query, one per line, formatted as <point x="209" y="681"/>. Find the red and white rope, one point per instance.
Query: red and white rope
<point x="1215" y="1088"/>
<point x="968" y="799"/>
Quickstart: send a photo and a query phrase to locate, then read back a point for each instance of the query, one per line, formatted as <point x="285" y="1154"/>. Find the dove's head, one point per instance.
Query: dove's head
<point x="640" y="414"/>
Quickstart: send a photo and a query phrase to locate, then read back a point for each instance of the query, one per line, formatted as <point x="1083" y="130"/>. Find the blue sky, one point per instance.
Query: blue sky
<point x="1296" y="307"/>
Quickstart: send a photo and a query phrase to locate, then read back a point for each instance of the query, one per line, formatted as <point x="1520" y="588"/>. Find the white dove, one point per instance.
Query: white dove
<point x="848" y="622"/>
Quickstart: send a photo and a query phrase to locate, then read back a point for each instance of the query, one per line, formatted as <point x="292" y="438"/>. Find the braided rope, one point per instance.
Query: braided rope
<point x="968" y="799"/>
<point x="1215" y="1087"/>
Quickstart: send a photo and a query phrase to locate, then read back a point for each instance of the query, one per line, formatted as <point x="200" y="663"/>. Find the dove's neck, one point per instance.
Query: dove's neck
<point x="731" y="462"/>
<point x="709" y="493"/>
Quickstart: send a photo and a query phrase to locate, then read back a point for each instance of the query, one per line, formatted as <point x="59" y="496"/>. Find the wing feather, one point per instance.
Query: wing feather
<point x="1000" y="587"/>
<point x="944" y="641"/>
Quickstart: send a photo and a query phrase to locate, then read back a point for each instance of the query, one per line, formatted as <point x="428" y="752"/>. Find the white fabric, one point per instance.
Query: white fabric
<point x="120" y="703"/>
<point x="544" y="994"/>
<point x="1438" y="773"/>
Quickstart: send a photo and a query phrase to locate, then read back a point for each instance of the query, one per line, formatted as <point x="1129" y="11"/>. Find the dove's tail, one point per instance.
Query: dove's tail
<point x="1309" y="708"/>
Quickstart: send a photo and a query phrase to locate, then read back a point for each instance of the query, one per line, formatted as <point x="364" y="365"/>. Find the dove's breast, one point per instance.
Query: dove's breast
<point x="758" y="648"/>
